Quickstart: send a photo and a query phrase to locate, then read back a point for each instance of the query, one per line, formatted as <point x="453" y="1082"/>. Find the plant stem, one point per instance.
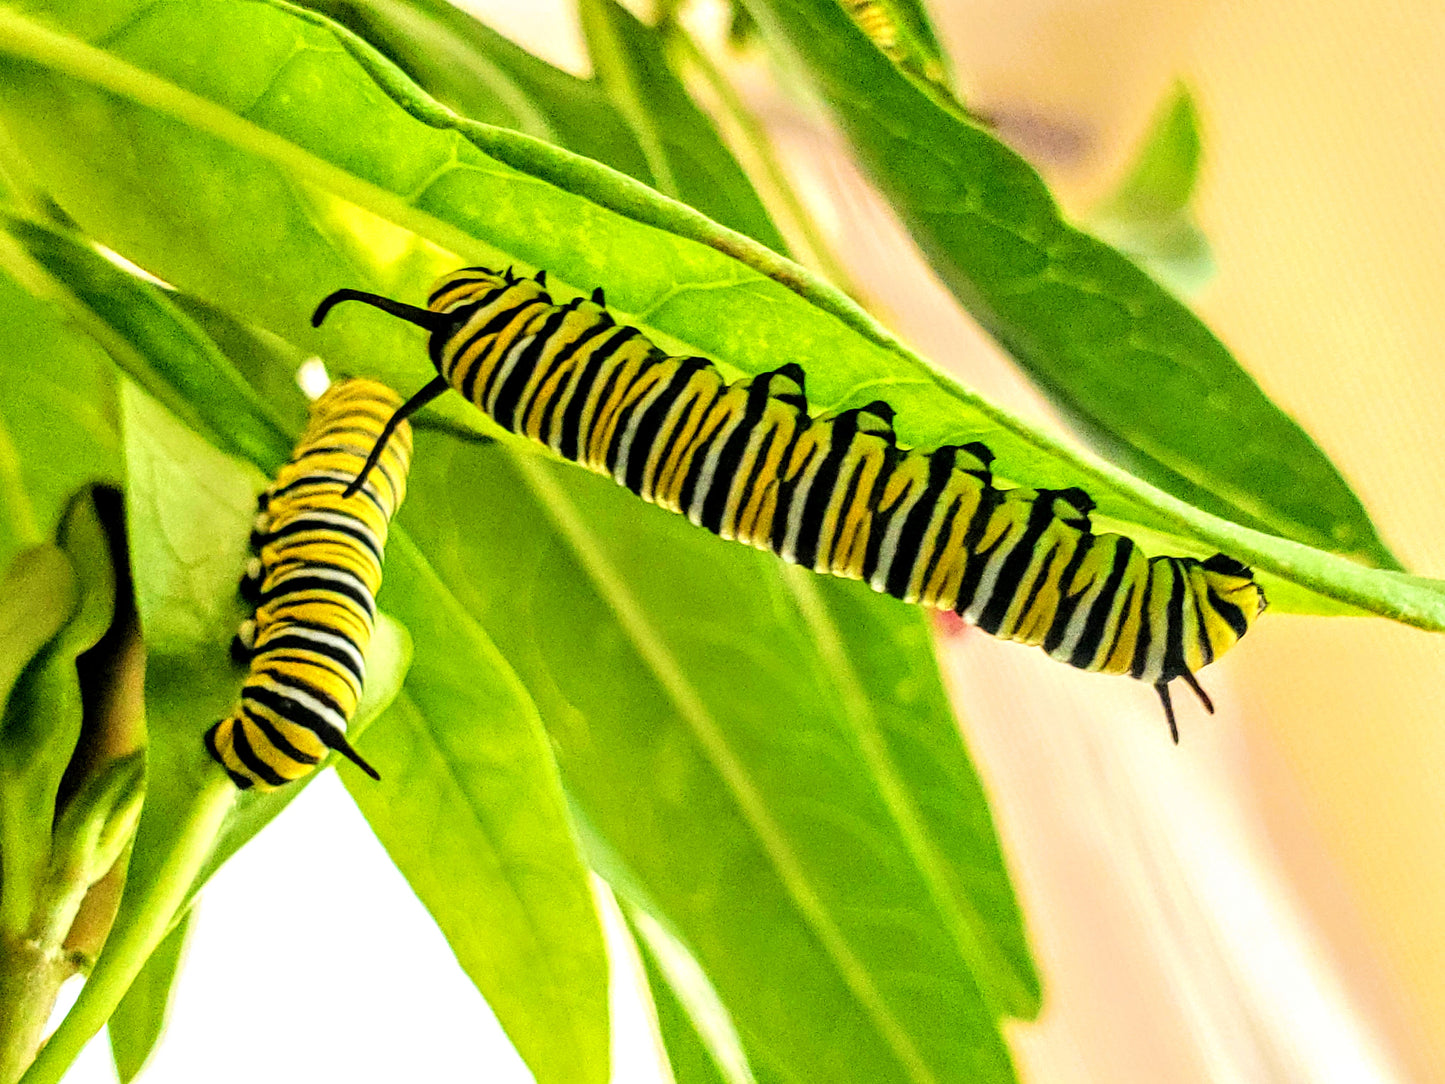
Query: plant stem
<point x="30" y="977"/>
<point x="139" y="928"/>
<point x="757" y="147"/>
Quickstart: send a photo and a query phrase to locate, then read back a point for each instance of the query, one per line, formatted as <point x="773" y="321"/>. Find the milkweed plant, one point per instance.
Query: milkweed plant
<point x="761" y="763"/>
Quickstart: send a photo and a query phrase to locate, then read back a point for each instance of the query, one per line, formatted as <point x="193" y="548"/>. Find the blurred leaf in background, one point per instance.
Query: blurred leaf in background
<point x="1147" y="216"/>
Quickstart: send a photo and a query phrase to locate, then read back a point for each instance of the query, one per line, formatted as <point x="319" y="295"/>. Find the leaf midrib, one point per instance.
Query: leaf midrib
<point x="650" y="646"/>
<point x="999" y="986"/>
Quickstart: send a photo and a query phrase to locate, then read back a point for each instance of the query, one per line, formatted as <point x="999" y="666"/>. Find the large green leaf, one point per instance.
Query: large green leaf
<point x="1136" y="370"/>
<point x="190" y="178"/>
<point x="726" y="776"/>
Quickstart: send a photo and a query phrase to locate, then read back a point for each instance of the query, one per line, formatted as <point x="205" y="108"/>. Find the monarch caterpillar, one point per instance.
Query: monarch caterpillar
<point x="833" y="493"/>
<point x="875" y="19"/>
<point x="314" y="577"/>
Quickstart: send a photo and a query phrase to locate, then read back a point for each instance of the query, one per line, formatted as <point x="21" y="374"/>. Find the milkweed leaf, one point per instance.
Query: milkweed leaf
<point x="136" y="1026"/>
<point x="1132" y="367"/>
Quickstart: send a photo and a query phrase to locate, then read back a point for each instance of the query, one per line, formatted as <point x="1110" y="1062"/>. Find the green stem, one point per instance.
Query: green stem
<point x="30" y="977"/>
<point x="757" y="147"/>
<point x="139" y="928"/>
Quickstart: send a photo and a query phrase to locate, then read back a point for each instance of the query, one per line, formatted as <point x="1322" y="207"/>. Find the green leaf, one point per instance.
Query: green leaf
<point x="470" y="808"/>
<point x="1147" y="217"/>
<point x="37" y="597"/>
<point x="701" y="1044"/>
<point x="479" y="73"/>
<point x="1162" y="178"/>
<point x="50" y="372"/>
<point x="685" y="155"/>
<point x="717" y="765"/>
<point x="1133" y="368"/>
<point x="41" y="723"/>
<point x="227" y="219"/>
<point x="139" y="1019"/>
<point x="156" y="344"/>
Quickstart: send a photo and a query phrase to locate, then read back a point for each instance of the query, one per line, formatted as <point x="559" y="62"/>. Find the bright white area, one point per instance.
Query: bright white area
<point x="311" y="954"/>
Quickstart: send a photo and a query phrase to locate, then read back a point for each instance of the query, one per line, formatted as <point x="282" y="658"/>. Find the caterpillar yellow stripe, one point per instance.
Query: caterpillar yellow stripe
<point x="834" y="493"/>
<point x="314" y="580"/>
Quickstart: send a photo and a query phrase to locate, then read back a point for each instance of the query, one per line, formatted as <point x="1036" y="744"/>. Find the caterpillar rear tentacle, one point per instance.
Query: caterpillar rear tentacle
<point x="834" y="493"/>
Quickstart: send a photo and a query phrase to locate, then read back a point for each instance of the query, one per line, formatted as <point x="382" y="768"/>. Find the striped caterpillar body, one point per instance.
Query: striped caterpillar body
<point x="314" y="581"/>
<point x="833" y="493"/>
<point x="877" y="22"/>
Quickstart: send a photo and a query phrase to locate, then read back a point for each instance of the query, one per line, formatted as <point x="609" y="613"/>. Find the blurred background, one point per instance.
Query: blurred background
<point x="1267" y="901"/>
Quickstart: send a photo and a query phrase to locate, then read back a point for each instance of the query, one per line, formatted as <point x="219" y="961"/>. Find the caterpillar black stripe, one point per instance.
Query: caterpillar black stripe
<point x="314" y="581"/>
<point x="834" y="493"/>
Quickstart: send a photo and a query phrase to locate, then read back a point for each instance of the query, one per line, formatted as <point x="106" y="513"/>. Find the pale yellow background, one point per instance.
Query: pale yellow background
<point x="1324" y="130"/>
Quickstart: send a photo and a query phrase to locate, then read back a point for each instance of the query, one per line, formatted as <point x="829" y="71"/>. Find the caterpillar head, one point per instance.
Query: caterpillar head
<point x="469" y="286"/>
<point x="1237" y="598"/>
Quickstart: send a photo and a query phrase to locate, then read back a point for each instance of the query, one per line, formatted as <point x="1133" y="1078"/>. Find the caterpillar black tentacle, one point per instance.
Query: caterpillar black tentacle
<point x="835" y="493"/>
<point x="313" y="582"/>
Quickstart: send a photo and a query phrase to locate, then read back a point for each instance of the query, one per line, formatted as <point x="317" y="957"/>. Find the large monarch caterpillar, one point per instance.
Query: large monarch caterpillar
<point x="834" y="493"/>
<point x="314" y="577"/>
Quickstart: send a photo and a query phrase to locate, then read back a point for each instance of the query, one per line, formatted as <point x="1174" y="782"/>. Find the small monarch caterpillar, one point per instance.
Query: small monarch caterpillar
<point x="835" y="493"/>
<point x="876" y="21"/>
<point x="874" y="18"/>
<point x="313" y="579"/>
